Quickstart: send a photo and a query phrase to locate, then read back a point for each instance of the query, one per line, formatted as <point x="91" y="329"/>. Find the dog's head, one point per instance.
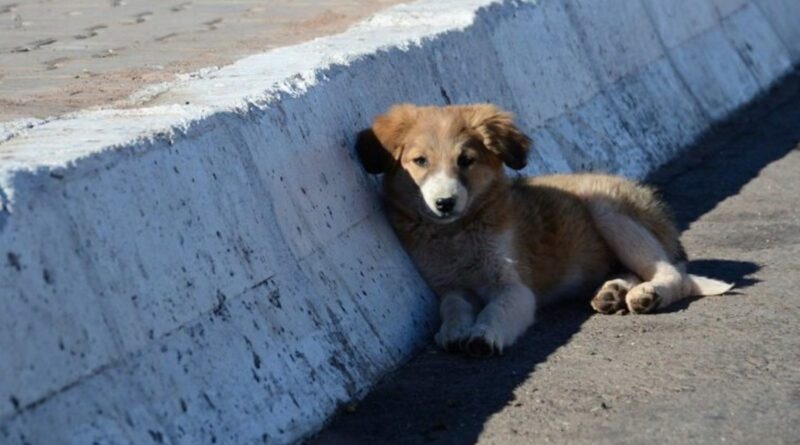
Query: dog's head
<point x="439" y="161"/>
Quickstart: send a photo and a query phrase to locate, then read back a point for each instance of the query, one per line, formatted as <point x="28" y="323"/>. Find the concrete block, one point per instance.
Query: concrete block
<point x="658" y="111"/>
<point x="782" y="15"/>
<point x="183" y="387"/>
<point x="617" y="35"/>
<point x="541" y="55"/>
<point x="547" y="155"/>
<point x="679" y="20"/>
<point x="759" y="47"/>
<point x="714" y="72"/>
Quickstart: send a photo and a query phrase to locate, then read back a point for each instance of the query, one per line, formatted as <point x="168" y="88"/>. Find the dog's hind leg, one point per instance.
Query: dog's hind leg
<point x="641" y="253"/>
<point x="610" y="298"/>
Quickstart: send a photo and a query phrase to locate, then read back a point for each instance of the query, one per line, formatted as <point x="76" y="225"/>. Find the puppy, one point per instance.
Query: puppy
<point x="494" y="249"/>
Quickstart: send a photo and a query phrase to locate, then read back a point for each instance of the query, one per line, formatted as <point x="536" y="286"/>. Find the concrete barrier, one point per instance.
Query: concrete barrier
<point x="214" y="266"/>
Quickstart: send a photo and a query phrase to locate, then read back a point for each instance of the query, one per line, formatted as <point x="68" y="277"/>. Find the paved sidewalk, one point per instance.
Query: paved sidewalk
<point x="712" y="370"/>
<point x="59" y="56"/>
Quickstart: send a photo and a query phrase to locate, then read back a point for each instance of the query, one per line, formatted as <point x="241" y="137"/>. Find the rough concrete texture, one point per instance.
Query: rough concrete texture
<point x="711" y="370"/>
<point x="216" y="266"/>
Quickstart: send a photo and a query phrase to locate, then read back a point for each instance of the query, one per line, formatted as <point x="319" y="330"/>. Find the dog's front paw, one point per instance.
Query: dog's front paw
<point x="484" y="342"/>
<point x="643" y="299"/>
<point x="452" y="337"/>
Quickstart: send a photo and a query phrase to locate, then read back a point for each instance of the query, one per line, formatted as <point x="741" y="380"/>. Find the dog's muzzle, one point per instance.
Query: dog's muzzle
<point x="444" y="196"/>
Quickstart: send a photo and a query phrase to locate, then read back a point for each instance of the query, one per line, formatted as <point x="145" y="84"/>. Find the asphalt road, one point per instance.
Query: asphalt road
<point x="711" y="370"/>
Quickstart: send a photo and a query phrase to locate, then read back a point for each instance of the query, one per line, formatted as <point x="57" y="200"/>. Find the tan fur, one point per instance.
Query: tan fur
<point x="512" y="245"/>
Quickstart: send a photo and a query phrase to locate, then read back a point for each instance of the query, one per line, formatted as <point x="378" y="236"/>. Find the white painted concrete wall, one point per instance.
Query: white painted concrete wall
<point x="216" y="266"/>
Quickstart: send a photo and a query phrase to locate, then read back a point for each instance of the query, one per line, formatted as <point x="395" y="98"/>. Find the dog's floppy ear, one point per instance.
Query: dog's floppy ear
<point x="379" y="146"/>
<point x="499" y="133"/>
<point x="373" y="156"/>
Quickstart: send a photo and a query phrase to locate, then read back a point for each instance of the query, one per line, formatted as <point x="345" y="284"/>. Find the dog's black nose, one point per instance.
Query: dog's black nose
<point x="445" y="205"/>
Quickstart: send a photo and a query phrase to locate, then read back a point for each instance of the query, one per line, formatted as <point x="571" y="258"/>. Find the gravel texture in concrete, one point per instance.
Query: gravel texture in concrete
<point x="712" y="370"/>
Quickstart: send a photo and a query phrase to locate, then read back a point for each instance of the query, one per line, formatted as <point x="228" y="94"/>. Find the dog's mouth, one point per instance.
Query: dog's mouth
<point x="445" y="219"/>
<point x="440" y="218"/>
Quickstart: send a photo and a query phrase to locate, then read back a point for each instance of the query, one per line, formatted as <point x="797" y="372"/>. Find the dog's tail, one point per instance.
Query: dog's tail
<point x="702" y="286"/>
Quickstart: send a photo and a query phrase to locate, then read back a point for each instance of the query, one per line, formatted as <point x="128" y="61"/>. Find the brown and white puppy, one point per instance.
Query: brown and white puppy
<point x="494" y="249"/>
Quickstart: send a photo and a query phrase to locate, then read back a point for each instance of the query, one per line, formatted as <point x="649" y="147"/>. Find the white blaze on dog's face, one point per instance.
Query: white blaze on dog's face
<point x="439" y="161"/>
<point x="445" y="195"/>
<point x="449" y="165"/>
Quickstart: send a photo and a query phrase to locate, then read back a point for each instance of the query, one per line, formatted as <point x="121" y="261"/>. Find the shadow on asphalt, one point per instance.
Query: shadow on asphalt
<point x="736" y="272"/>
<point x="443" y="398"/>
<point x="726" y="158"/>
<point x="446" y="398"/>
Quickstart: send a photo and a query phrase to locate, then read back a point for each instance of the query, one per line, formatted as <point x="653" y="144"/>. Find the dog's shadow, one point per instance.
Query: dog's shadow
<point x="446" y="398"/>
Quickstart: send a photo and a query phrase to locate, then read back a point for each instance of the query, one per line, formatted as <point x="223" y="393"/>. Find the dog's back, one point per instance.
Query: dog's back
<point x="638" y="201"/>
<point x="560" y="246"/>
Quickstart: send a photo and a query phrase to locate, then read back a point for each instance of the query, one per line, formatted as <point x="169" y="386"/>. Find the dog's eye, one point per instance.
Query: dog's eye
<point x="465" y="161"/>
<point x="420" y="160"/>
